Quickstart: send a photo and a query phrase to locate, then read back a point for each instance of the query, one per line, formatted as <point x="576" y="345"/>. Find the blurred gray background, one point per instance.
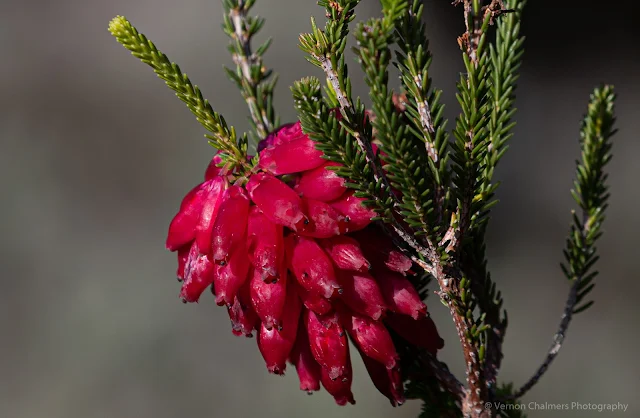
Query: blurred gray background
<point x="97" y="153"/>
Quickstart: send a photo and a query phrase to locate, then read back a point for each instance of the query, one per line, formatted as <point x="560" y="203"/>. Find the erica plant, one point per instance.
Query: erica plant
<point x="341" y="223"/>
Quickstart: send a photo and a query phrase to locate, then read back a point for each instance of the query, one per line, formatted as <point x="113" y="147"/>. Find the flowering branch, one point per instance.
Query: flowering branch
<point x="315" y="240"/>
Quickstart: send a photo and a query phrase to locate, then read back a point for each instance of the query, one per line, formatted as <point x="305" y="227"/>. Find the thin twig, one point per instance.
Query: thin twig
<point x="558" y="340"/>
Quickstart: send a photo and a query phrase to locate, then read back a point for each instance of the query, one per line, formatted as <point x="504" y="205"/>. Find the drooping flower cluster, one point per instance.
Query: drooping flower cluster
<point x="292" y="254"/>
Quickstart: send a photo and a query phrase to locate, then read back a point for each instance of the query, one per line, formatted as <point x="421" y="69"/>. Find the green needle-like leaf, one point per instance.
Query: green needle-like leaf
<point x="221" y="136"/>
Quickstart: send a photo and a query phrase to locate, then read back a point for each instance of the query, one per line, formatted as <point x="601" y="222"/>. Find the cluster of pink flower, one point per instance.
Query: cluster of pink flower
<point x="293" y="255"/>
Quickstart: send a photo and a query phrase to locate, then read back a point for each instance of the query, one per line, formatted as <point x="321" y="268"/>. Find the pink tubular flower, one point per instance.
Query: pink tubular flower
<point x="339" y="388"/>
<point x="328" y="343"/>
<point x="400" y="294"/>
<point x="243" y="317"/>
<point x="199" y="273"/>
<point x="311" y="266"/>
<point x="362" y="294"/>
<point x="213" y="192"/>
<point x="345" y="253"/>
<point x="230" y="224"/>
<point x="388" y="382"/>
<point x="231" y="275"/>
<point x="277" y="201"/>
<point x="286" y="133"/>
<point x="293" y="154"/>
<point x="325" y="221"/>
<point x="372" y="338"/>
<point x="297" y="259"/>
<point x="307" y="367"/>
<point x="356" y="214"/>
<point x="321" y="183"/>
<point x="276" y="344"/>
<point x="268" y="299"/>
<point x="265" y="245"/>
<point x="182" y="228"/>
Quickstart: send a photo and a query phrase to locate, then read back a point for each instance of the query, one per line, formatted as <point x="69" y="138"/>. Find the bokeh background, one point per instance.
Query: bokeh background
<point x="96" y="155"/>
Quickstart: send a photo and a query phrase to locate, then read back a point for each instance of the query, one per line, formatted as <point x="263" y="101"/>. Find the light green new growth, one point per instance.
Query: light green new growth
<point x="590" y="193"/>
<point x="221" y="136"/>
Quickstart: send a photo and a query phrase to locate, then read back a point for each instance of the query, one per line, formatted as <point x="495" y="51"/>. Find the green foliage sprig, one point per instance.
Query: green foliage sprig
<point x="591" y="195"/>
<point x="250" y="75"/>
<point x="221" y="136"/>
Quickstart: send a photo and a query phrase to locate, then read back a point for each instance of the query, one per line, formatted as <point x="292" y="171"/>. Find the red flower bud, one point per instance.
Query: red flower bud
<point x="311" y="266"/>
<point x="356" y="214"/>
<point x="213" y="195"/>
<point x="421" y="333"/>
<point x="388" y="382"/>
<point x="277" y="201"/>
<point x="274" y="344"/>
<point x="328" y="343"/>
<point x="229" y="227"/>
<point x="231" y="275"/>
<point x="325" y="221"/>
<point x="339" y="388"/>
<point x="400" y="295"/>
<point x="243" y="318"/>
<point x="321" y="183"/>
<point x="345" y="253"/>
<point x="371" y="337"/>
<point x="268" y="299"/>
<point x="361" y="294"/>
<point x="307" y="367"/>
<point x="182" y="227"/>
<point x="199" y="273"/>
<point x="265" y="244"/>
